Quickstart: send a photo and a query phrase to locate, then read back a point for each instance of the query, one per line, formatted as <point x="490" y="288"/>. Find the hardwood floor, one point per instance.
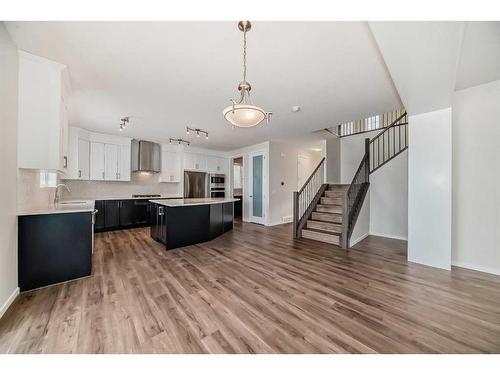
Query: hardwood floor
<point x="256" y="290"/>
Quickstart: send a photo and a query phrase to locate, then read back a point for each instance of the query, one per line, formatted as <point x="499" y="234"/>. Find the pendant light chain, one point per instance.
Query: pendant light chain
<point x="245" y="55"/>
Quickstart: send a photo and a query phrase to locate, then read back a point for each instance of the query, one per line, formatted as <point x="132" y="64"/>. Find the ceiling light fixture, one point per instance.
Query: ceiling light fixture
<point x="179" y="141"/>
<point x="243" y="113"/>
<point x="124" y="122"/>
<point x="197" y="130"/>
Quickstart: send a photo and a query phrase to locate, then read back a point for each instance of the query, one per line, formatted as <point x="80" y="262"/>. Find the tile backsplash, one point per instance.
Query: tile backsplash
<point x="29" y="193"/>
<point x="140" y="183"/>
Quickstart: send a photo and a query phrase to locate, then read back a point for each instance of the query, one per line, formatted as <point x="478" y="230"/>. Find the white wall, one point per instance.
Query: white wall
<point x="333" y="163"/>
<point x="476" y="178"/>
<point x="429" y="188"/>
<point x="389" y="199"/>
<point x="8" y="170"/>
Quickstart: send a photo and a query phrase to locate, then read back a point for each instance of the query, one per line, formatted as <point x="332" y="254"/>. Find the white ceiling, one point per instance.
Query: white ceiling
<point x="480" y="57"/>
<point x="423" y="59"/>
<point x="171" y="74"/>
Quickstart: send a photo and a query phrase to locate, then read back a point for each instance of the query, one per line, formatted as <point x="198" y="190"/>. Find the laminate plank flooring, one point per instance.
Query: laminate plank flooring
<point x="256" y="290"/>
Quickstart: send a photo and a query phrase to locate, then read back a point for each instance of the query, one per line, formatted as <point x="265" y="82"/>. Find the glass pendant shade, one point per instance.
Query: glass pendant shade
<point x="244" y="115"/>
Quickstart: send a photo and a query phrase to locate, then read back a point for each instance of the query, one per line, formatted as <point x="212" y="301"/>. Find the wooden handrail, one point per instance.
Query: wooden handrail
<point x="311" y="176"/>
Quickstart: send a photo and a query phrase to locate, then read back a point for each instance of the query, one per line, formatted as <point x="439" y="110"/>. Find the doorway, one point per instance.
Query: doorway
<point x="256" y="187"/>
<point x="237" y="186"/>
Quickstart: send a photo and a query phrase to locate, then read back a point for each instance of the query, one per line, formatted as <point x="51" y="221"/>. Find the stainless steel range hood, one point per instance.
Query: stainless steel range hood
<point x="146" y="156"/>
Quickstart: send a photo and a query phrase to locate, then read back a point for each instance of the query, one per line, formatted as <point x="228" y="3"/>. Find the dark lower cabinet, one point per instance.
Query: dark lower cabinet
<point x="122" y="214"/>
<point x="111" y="215"/>
<point x="53" y="248"/>
<point x="227" y="216"/>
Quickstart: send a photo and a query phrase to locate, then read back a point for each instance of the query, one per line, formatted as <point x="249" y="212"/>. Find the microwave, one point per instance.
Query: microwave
<point x="217" y="180"/>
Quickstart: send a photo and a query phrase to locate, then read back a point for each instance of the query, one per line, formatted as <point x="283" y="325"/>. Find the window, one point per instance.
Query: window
<point x="238" y="177"/>
<point x="48" y="179"/>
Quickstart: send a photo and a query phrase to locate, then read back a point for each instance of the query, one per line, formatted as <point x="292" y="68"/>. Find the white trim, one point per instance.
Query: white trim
<point x="389" y="236"/>
<point x="475" y="267"/>
<point x="352" y="243"/>
<point x="9" y="301"/>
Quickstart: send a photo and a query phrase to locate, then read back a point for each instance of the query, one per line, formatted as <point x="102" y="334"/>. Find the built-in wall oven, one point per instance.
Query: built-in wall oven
<point x="217" y="186"/>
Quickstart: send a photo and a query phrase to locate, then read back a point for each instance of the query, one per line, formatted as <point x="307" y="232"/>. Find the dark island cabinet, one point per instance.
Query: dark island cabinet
<point x="122" y="214"/>
<point x="53" y="248"/>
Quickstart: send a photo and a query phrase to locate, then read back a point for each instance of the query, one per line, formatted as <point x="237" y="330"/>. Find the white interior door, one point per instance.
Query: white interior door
<point x="257" y="187"/>
<point x="303" y="168"/>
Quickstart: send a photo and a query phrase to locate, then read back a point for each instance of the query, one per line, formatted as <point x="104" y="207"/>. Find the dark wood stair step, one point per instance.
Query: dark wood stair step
<point x="334" y="193"/>
<point x="329" y="208"/>
<point x="323" y="216"/>
<point x="336" y="201"/>
<point x="324" y="226"/>
<point x="319" y="235"/>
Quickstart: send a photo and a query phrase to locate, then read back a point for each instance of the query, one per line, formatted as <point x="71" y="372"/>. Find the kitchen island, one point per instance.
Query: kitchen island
<point x="183" y="222"/>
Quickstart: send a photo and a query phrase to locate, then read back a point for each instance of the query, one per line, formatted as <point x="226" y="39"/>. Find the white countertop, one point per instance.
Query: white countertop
<point x="125" y="197"/>
<point x="192" y="201"/>
<point x="64" y="207"/>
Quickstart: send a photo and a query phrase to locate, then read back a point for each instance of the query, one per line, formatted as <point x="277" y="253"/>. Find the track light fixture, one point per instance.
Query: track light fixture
<point x="197" y="131"/>
<point x="179" y="141"/>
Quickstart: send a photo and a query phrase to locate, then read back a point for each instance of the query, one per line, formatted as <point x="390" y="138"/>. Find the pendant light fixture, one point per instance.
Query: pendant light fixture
<point x="243" y="113"/>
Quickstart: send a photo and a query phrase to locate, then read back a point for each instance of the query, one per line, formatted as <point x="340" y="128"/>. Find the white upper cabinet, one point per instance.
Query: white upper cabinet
<point x="111" y="159"/>
<point x="216" y="164"/>
<point x="124" y="163"/>
<point x="189" y="161"/>
<point x="97" y="169"/>
<point x="170" y="167"/>
<point x="83" y="159"/>
<point x="42" y="113"/>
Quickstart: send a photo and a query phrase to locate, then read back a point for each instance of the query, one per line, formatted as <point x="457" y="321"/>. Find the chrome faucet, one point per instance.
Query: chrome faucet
<point x="56" y="195"/>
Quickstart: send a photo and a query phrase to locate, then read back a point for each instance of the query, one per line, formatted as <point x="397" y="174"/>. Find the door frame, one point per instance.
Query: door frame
<point x="231" y="182"/>
<point x="251" y="217"/>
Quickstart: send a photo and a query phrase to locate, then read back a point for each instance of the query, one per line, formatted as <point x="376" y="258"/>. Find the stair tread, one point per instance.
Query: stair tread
<point x="331" y="231"/>
<point x="321" y="231"/>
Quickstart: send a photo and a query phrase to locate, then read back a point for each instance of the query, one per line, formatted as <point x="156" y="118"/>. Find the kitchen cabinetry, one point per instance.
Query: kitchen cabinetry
<point x="83" y="159"/>
<point x="43" y="87"/>
<point x="170" y="167"/>
<point x="215" y="164"/>
<point x="97" y="170"/>
<point x="121" y="214"/>
<point x="195" y="162"/>
<point x="53" y="248"/>
<point x="158" y="223"/>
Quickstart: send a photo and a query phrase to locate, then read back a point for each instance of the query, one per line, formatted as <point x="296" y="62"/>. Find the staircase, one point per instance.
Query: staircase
<point x="325" y="222"/>
<point x="328" y="212"/>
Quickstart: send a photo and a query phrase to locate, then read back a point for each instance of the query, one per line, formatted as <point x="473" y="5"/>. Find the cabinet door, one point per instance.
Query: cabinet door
<point x="189" y="161"/>
<point x="96" y="161"/>
<point x="170" y="167"/>
<point x="99" y="218"/>
<point x="201" y="162"/>
<point x="83" y="159"/>
<point x="124" y="163"/>
<point x="222" y="165"/>
<point x="127" y="213"/>
<point x="111" y="214"/>
<point x="212" y="163"/>
<point x="111" y="162"/>
<point x="63" y="142"/>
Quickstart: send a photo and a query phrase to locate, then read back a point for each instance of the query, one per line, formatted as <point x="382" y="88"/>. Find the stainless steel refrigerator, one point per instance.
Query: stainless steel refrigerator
<point x="196" y="184"/>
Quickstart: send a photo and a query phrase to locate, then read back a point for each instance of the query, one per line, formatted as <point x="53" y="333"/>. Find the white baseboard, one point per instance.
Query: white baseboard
<point x="9" y="301"/>
<point x="389" y="236"/>
<point x="359" y="239"/>
<point x="475" y="267"/>
<point x="275" y="223"/>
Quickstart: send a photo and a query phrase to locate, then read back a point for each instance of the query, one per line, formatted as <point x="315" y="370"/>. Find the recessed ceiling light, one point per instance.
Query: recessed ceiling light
<point x="295" y="108"/>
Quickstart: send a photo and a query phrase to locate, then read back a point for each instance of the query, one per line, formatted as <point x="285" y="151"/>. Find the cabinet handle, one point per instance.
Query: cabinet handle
<point x="103" y="175"/>
<point x="79" y="173"/>
<point x="119" y="175"/>
<point x="196" y="166"/>
<point x="65" y="163"/>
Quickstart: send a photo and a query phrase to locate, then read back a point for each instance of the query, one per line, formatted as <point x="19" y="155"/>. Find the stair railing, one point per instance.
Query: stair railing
<point x="307" y="197"/>
<point x="355" y="195"/>
<point x="389" y="143"/>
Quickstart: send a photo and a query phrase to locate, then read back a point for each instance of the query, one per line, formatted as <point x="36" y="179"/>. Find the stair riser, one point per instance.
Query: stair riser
<point x="334" y="194"/>
<point x="328" y="238"/>
<point x="327" y="217"/>
<point x="329" y="209"/>
<point x="331" y="227"/>
<point x="332" y="201"/>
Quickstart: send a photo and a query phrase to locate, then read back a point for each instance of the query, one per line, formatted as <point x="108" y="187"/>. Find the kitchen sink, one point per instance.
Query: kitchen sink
<point x="73" y="203"/>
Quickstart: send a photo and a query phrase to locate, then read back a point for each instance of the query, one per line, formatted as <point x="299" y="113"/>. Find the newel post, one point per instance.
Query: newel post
<point x="295" y="213"/>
